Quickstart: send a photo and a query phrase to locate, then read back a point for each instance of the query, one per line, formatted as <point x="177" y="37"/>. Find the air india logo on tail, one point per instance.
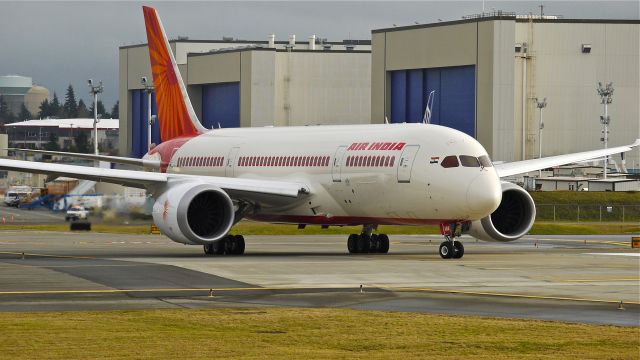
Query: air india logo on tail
<point x="175" y="114"/>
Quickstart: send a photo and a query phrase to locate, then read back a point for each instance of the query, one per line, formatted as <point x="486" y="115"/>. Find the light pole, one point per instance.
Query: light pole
<point x="541" y="104"/>
<point x="148" y="89"/>
<point x="606" y="96"/>
<point x="95" y="90"/>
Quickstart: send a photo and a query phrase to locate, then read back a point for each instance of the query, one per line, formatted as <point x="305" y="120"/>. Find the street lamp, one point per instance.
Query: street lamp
<point x="148" y="89"/>
<point x="606" y="97"/>
<point x="540" y="104"/>
<point x="95" y="90"/>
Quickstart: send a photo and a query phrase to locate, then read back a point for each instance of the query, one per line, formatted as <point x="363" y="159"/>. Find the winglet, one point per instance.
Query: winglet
<point x="175" y="112"/>
<point x="635" y="144"/>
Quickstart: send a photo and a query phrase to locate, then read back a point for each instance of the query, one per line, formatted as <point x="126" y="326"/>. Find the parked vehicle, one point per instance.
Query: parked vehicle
<point x="75" y="213"/>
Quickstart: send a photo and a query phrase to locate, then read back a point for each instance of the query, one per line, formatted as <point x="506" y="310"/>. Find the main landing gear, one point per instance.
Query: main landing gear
<point x="229" y="245"/>
<point x="450" y="248"/>
<point x="368" y="242"/>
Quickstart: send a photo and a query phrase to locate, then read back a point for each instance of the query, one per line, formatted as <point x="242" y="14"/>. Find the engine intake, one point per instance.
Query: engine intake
<point x="512" y="219"/>
<point x="194" y="213"/>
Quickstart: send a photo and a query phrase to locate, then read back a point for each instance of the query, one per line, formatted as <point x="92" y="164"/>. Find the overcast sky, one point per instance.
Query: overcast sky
<point x="57" y="43"/>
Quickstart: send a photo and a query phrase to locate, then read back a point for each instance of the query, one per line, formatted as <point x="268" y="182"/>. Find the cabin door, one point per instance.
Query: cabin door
<point x="405" y="164"/>
<point x="336" y="168"/>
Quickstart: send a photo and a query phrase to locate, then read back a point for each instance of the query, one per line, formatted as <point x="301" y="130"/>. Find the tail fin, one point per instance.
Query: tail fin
<point x="175" y="112"/>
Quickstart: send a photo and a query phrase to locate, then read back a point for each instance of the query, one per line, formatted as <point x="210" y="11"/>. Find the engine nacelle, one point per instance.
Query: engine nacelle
<point x="194" y="213"/>
<point x="512" y="219"/>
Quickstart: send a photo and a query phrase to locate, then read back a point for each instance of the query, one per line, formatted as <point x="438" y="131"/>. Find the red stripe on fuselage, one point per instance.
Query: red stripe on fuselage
<point x="346" y="220"/>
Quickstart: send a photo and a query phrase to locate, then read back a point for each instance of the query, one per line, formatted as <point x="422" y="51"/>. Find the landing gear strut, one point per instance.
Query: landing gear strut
<point x="368" y="242"/>
<point x="450" y="248"/>
<point x="229" y="245"/>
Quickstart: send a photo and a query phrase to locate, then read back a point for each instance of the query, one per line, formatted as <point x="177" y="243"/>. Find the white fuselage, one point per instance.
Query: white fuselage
<point x="360" y="174"/>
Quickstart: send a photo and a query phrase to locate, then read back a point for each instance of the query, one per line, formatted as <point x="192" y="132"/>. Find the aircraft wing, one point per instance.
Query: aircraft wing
<point x="238" y="188"/>
<point x="519" y="167"/>
<point x="155" y="164"/>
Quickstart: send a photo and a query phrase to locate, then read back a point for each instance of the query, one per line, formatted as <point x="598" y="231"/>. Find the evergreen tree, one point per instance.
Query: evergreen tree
<point x="82" y="143"/>
<point x="102" y="112"/>
<point x="5" y="115"/>
<point x="55" y="110"/>
<point x="52" y="144"/>
<point x="83" y="112"/>
<point x="115" y="110"/>
<point x="70" y="107"/>
<point x="45" y="109"/>
<point x="24" y="113"/>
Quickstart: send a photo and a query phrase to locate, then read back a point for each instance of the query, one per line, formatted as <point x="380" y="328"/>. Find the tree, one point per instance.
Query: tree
<point x="82" y="143"/>
<point x="115" y="110"/>
<point x="5" y="114"/>
<point x="70" y="107"/>
<point x="83" y="112"/>
<point x="102" y="113"/>
<point x="24" y="113"/>
<point x="54" y="106"/>
<point x="45" y="109"/>
<point x="52" y="144"/>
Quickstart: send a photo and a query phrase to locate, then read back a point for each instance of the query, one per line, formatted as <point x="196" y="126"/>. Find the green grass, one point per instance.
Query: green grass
<point x="302" y="333"/>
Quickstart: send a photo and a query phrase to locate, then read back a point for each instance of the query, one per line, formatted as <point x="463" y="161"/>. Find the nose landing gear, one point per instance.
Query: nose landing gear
<point x="450" y="248"/>
<point x="368" y="242"/>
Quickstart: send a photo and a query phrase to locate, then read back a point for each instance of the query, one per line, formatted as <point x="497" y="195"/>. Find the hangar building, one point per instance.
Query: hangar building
<point x="487" y="71"/>
<point x="235" y="83"/>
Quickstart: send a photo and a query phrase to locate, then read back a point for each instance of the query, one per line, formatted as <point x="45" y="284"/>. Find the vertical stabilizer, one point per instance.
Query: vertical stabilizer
<point x="175" y="112"/>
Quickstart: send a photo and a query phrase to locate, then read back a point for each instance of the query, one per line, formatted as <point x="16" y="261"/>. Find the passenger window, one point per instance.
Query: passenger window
<point x="469" y="161"/>
<point x="485" y="161"/>
<point x="450" y="161"/>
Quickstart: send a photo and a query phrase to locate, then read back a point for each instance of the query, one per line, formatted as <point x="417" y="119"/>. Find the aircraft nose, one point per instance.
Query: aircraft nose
<point x="484" y="193"/>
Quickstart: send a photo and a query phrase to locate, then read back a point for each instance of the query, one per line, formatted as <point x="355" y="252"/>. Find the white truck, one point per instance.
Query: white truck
<point x="76" y="212"/>
<point x="17" y="194"/>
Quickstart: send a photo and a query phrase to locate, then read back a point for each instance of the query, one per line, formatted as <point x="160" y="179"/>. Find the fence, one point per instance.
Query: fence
<point x="588" y="213"/>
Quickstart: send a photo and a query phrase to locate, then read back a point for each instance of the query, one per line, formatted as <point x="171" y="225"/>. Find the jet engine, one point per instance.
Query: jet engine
<point x="512" y="219"/>
<point x="194" y="213"/>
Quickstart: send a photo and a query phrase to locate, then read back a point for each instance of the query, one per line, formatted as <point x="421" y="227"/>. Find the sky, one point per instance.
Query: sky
<point x="59" y="43"/>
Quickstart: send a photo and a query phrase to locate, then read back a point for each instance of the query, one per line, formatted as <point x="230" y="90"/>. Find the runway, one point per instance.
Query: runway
<point x="567" y="278"/>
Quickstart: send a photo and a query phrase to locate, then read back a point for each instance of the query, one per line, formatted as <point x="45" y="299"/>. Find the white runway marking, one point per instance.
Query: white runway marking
<point x="615" y="254"/>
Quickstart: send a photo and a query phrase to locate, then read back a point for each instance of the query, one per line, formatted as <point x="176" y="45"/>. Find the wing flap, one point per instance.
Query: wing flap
<point x="519" y="167"/>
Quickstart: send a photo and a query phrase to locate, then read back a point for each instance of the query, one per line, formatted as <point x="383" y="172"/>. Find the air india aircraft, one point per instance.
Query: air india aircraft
<point x="205" y="181"/>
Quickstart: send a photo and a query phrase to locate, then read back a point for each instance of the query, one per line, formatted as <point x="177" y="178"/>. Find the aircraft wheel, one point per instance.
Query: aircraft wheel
<point x="240" y="246"/>
<point x="218" y="247"/>
<point x="383" y="242"/>
<point x="363" y="243"/>
<point x="374" y="243"/>
<point x="208" y="249"/>
<point x="352" y="243"/>
<point x="458" y="250"/>
<point x="446" y="250"/>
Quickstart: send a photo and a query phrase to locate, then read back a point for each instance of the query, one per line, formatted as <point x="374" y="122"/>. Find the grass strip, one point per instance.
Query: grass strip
<point x="309" y="333"/>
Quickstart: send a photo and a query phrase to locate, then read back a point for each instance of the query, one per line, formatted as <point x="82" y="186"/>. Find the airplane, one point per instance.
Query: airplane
<point x="205" y="181"/>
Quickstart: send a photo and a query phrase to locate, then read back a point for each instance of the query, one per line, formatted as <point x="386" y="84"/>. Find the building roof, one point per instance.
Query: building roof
<point x="564" y="178"/>
<point x="104" y="124"/>
<point x="507" y="16"/>
<point x="249" y="42"/>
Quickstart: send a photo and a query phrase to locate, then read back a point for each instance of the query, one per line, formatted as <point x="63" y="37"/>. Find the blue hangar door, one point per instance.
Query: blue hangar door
<point x="455" y="95"/>
<point x="138" y="123"/>
<point x="221" y="105"/>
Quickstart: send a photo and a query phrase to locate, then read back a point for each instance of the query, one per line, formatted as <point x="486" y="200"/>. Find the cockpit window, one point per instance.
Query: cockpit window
<point x="485" y="161"/>
<point x="450" y="161"/>
<point x="469" y="161"/>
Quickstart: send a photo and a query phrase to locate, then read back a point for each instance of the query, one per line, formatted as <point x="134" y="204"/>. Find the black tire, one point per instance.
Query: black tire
<point x="208" y="249"/>
<point x="219" y="247"/>
<point x="458" y="250"/>
<point x="363" y="244"/>
<point x="446" y="250"/>
<point x="352" y="244"/>
<point x="383" y="241"/>
<point x="374" y="244"/>
<point x="240" y="246"/>
<point x="231" y="245"/>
